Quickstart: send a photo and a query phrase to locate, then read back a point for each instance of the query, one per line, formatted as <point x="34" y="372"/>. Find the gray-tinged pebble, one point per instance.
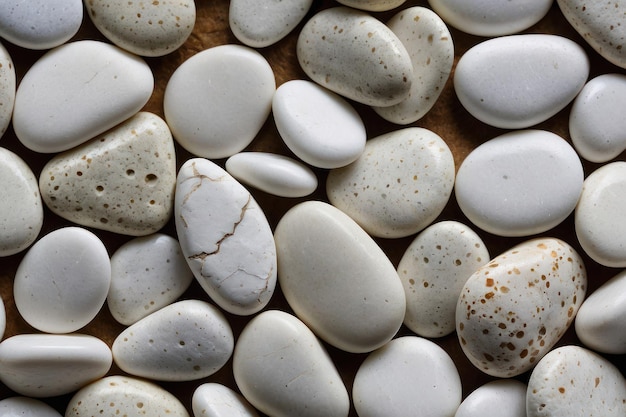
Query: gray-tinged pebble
<point x="26" y="406"/>
<point x="7" y="89"/>
<point x="372" y="5"/>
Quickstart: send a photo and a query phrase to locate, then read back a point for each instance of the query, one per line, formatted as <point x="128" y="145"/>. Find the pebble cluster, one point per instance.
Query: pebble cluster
<point x="162" y="263"/>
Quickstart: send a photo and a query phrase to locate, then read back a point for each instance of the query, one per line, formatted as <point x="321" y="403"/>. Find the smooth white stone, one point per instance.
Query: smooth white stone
<point x="317" y="125"/>
<point x="355" y="55"/>
<point x="499" y="398"/>
<point x="283" y="369"/>
<point x="125" y="396"/>
<point x="21" y="210"/>
<point x="40" y="24"/>
<point x="147" y="273"/>
<point x="261" y="23"/>
<point x="218" y="100"/>
<point x="429" y="44"/>
<point x="63" y="280"/>
<point x="26" y="407"/>
<point x="433" y="270"/>
<point x="184" y="341"/>
<point x="398" y="186"/>
<point x="515" y="308"/>
<point x="225" y="237"/>
<point x="336" y="278"/>
<point x="47" y="365"/>
<point x="599" y="219"/>
<point x="77" y="91"/>
<point x="520" y="183"/>
<point x="121" y="181"/>
<point x="151" y="28"/>
<point x="574" y="381"/>
<point x="596" y="125"/>
<point x="215" y="400"/>
<point x="275" y="174"/>
<point x="517" y="81"/>
<point x="8" y="84"/>
<point x="407" y="374"/>
<point x="3" y="318"/>
<point x="372" y="5"/>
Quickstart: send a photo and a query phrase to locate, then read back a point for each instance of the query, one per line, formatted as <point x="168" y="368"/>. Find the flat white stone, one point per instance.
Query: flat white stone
<point x="429" y="44"/>
<point x="599" y="219"/>
<point x="77" y="91"/>
<point x="574" y="381"/>
<point x="273" y="173"/>
<point x="216" y="400"/>
<point x="47" y="365"/>
<point x="225" y="237"/>
<point x="355" y="55"/>
<point x="7" y="88"/>
<point x="317" y="125"/>
<point x="517" y="81"/>
<point x="372" y="5"/>
<point x="520" y="183"/>
<point x="147" y="273"/>
<point x="63" y="280"/>
<point x="514" y="309"/>
<point x="407" y="374"/>
<point x="26" y="406"/>
<point x="337" y="279"/>
<point x="399" y="184"/>
<point x="499" y="398"/>
<point x="283" y="369"/>
<point x="218" y="100"/>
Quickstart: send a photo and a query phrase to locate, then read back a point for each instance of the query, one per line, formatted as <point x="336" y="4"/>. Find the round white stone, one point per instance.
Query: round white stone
<point x="26" y="406"/>
<point x="372" y="5"/>
<point x="499" y="398"/>
<point x="215" y="400"/>
<point x="7" y="88"/>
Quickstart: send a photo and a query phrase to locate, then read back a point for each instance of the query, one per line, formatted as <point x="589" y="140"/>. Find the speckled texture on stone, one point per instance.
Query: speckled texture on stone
<point x="7" y="89"/>
<point x="372" y="5"/>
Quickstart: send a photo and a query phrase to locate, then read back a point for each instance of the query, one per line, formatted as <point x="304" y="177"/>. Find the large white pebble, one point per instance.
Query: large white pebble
<point x="337" y="279"/>
<point x="520" y="183"/>
<point x="398" y="186"/>
<point x="514" y="309"/>
<point x="283" y="369"/>
<point x="47" y="365"/>
<point x="407" y="374"/>
<point x="574" y="381"/>
<point x="225" y="237"/>
<point x="147" y="273"/>
<point x="77" y="91"/>
<point x="218" y="100"/>
<point x="216" y="400"/>
<point x="25" y="407"/>
<point x="372" y="5"/>
<point x="499" y="398"/>
<point x="63" y="280"/>
<point x="7" y="88"/>
<point x="517" y="81"/>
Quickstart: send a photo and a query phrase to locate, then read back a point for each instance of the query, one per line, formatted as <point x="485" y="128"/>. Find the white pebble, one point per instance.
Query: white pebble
<point x="26" y="406"/>
<point x="7" y="88"/>
<point x="216" y="400"/>
<point x="372" y="5"/>
<point x="499" y="398"/>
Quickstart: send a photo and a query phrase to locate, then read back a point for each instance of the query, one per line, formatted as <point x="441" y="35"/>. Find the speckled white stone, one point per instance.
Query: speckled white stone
<point x="517" y="81"/>
<point x="21" y="210"/>
<point x="372" y="5"/>
<point x="147" y="28"/>
<point x="574" y="381"/>
<point x="520" y="183"/>
<point x="47" y="365"/>
<point x="407" y="374"/>
<point x="317" y="125"/>
<point x="63" y="280"/>
<point x="225" y="237"/>
<point x="216" y="400"/>
<point x="433" y="270"/>
<point x="514" y="309"/>
<point x="261" y="23"/>
<point x="26" y="406"/>
<point x="499" y="398"/>
<point x="355" y="55"/>
<point x="218" y="100"/>
<point x="429" y="43"/>
<point x="40" y="24"/>
<point x="147" y="273"/>
<point x="600" y="219"/>
<point x="7" y="88"/>
<point x="121" y="181"/>
<point x="283" y="369"/>
<point x="398" y="186"/>
<point x="336" y="278"/>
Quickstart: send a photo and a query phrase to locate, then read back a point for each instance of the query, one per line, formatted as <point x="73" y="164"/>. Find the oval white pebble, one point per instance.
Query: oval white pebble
<point x="8" y="84"/>
<point x="499" y="398"/>
<point x="372" y="5"/>
<point x="520" y="183"/>
<point x="63" y="280"/>
<point x="26" y="406"/>
<point x="3" y="318"/>
<point x="216" y="400"/>
<point x="517" y="81"/>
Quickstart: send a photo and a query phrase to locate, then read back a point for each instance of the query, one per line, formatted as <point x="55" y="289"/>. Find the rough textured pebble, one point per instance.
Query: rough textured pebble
<point x="25" y="407"/>
<point x="499" y="398"/>
<point x="215" y="400"/>
<point x="8" y="84"/>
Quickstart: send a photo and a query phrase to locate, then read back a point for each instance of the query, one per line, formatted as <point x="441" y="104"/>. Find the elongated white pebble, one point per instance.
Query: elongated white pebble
<point x="3" y="318"/>
<point x="517" y="81"/>
<point x="355" y="55"/>
<point x="63" y="280"/>
<point x="499" y="398"/>
<point x="124" y="396"/>
<point x="47" y="365"/>
<point x="225" y="237"/>
<point x="147" y="273"/>
<point x="8" y="84"/>
<point x="337" y="279"/>
<point x="205" y="104"/>
<point x="372" y="5"/>
<point x="216" y="400"/>
<point x="407" y="374"/>
<point x="283" y="369"/>
<point x="26" y="406"/>
<point x="273" y="173"/>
